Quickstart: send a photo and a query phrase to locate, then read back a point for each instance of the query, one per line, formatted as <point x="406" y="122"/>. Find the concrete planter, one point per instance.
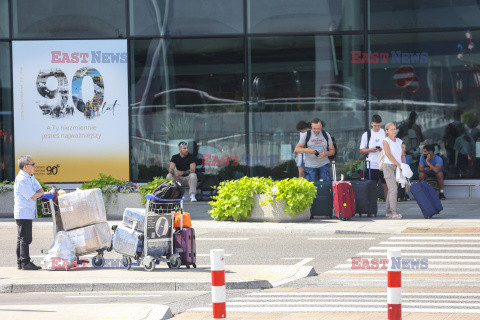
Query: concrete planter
<point x="116" y="203"/>
<point x="274" y="212"/>
<point x="6" y="204"/>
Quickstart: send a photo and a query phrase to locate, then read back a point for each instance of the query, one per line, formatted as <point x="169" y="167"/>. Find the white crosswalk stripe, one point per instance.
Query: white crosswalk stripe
<point x="452" y="261"/>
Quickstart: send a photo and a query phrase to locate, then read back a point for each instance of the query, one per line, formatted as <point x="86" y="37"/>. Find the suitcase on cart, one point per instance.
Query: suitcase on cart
<point x="322" y="205"/>
<point x="426" y="198"/>
<point x="365" y="194"/>
<point x="134" y="218"/>
<point x="343" y="197"/>
<point x="184" y="239"/>
<point x="127" y="242"/>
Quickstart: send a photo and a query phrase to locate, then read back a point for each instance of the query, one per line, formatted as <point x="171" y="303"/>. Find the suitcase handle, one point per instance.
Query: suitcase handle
<point x="369" y="169"/>
<point x="334" y="171"/>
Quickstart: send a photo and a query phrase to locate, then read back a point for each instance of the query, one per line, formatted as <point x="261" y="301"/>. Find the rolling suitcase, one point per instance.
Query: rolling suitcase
<point x="322" y="205"/>
<point x="134" y="218"/>
<point x="184" y="241"/>
<point x="365" y="194"/>
<point x="426" y="198"/>
<point x="343" y="197"/>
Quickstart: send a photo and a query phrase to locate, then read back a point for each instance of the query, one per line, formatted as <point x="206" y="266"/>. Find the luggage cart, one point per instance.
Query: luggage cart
<point x="158" y="235"/>
<point x="50" y="207"/>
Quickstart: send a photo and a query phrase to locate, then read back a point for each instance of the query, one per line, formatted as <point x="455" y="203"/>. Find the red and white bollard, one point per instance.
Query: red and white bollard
<point x="219" y="296"/>
<point x="394" y="290"/>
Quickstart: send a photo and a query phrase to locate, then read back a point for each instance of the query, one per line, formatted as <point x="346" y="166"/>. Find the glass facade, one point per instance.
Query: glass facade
<point x="233" y="78"/>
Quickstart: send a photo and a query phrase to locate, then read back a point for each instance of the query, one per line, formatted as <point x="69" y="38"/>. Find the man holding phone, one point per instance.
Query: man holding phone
<point x="370" y="145"/>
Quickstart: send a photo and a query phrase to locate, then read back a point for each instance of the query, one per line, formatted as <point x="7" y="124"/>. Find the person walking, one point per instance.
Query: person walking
<point x="393" y="159"/>
<point x="317" y="145"/>
<point x="371" y="146"/>
<point x="26" y="191"/>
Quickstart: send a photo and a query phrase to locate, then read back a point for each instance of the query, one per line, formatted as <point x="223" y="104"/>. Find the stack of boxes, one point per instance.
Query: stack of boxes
<point x="84" y="219"/>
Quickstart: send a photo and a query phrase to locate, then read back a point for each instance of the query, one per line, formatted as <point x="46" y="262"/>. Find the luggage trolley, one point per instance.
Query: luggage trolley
<point x="158" y="234"/>
<point x="50" y="207"/>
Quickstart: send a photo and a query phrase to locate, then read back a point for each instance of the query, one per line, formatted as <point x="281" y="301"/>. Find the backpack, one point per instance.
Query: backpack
<point x="369" y="135"/>
<point x="309" y="134"/>
<point x="168" y="190"/>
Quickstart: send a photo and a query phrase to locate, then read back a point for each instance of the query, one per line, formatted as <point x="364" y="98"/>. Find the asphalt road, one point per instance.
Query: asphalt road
<point x="452" y="267"/>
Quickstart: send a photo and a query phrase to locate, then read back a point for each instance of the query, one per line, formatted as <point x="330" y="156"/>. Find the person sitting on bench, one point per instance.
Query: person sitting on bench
<point x="431" y="165"/>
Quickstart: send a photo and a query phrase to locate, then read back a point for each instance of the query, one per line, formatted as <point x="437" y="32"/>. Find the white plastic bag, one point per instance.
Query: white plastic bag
<point x="61" y="255"/>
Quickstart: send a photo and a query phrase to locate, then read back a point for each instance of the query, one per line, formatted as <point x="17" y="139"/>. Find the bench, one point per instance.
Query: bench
<point x="462" y="184"/>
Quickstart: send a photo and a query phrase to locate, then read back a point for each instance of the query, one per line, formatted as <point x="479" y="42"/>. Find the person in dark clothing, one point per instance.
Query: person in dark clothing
<point x="182" y="169"/>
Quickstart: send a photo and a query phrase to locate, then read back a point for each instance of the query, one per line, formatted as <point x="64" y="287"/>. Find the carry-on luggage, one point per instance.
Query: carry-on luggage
<point x="184" y="239"/>
<point x="426" y="198"/>
<point x="365" y="194"/>
<point x="343" y="197"/>
<point x="134" y="218"/>
<point x="322" y="205"/>
<point x="127" y="241"/>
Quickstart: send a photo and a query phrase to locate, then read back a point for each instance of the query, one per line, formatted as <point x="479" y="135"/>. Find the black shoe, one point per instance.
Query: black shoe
<point x="442" y="196"/>
<point x="19" y="266"/>
<point x="31" y="266"/>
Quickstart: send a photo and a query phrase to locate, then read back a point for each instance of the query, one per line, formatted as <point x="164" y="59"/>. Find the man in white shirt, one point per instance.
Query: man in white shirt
<point x="26" y="192"/>
<point x="371" y="146"/>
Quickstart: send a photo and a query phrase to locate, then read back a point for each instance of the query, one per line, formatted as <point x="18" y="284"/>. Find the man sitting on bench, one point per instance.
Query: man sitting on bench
<point x="431" y="165"/>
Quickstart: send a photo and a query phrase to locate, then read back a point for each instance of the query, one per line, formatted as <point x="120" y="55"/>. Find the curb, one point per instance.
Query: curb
<point x="128" y="286"/>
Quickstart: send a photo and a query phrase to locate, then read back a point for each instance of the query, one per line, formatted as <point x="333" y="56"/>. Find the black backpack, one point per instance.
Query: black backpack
<point x="309" y="134"/>
<point x="168" y="190"/>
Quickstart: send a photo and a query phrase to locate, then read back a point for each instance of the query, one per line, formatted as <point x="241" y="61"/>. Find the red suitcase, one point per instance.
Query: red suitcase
<point x="343" y="197"/>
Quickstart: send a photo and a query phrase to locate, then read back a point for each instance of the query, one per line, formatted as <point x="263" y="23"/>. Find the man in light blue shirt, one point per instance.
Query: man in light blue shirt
<point x="26" y="192"/>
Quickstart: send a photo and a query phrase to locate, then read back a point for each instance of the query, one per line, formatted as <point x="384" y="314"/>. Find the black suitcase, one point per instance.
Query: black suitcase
<point x="322" y="206"/>
<point x="365" y="194"/>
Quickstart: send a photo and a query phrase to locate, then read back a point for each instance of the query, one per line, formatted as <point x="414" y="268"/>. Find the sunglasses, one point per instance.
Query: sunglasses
<point x="30" y="164"/>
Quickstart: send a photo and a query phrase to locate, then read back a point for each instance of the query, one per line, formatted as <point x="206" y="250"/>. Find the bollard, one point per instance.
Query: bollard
<point x="394" y="290"/>
<point x="219" y="296"/>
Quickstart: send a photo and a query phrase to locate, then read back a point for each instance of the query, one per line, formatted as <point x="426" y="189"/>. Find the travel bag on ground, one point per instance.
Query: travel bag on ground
<point x="127" y="241"/>
<point x="322" y="205"/>
<point x="134" y="218"/>
<point x="365" y="194"/>
<point x="185" y="239"/>
<point x="343" y="197"/>
<point x="426" y="198"/>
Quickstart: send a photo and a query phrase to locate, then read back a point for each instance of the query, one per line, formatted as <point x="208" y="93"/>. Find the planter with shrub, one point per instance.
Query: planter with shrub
<point x="262" y="199"/>
<point x="6" y="199"/>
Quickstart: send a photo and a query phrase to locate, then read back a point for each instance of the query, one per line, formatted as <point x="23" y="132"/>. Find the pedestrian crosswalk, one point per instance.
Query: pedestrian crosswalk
<point x="449" y="281"/>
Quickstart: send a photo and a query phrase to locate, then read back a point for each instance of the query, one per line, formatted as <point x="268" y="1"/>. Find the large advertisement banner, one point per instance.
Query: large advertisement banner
<point x="71" y="108"/>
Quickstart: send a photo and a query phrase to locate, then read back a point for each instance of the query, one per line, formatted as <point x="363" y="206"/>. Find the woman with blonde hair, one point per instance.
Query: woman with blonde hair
<point x="393" y="159"/>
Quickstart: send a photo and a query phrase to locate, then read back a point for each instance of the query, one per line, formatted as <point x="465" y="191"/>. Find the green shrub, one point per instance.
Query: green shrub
<point x="297" y="194"/>
<point x="6" y="186"/>
<point x="235" y="198"/>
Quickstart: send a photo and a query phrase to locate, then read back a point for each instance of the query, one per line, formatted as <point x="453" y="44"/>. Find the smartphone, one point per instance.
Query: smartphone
<point x="378" y="147"/>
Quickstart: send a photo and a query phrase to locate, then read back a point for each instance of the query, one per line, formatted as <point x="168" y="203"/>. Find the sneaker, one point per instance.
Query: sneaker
<point x="442" y="196"/>
<point x="19" y="266"/>
<point x="407" y="197"/>
<point x="31" y="266"/>
<point x="192" y="197"/>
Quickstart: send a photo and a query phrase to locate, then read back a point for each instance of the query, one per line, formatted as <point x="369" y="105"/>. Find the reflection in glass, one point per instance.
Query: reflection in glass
<point x="438" y="101"/>
<point x="301" y="78"/>
<point x="4" y="20"/>
<point x="266" y="16"/>
<point x="75" y="19"/>
<point x="186" y="17"/>
<point x="6" y="116"/>
<point x="191" y="90"/>
<point x="394" y="14"/>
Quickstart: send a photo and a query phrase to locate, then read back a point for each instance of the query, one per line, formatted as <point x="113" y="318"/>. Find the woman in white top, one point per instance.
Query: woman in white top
<point x="393" y="157"/>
